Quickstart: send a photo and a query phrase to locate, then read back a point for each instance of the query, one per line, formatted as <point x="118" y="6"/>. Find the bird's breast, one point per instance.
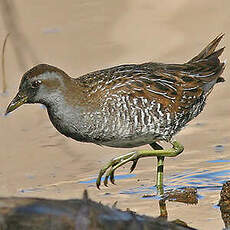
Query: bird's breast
<point x="121" y="121"/>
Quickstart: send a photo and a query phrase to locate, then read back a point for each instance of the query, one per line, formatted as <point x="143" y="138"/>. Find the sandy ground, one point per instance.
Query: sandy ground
<point x="82" y="36"/>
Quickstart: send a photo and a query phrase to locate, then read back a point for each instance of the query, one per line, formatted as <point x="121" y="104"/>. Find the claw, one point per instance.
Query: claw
<point x="98" y="182"/>
<point x="101" y="173"/>
<point x="106" y="180"/>
<point x="112" y="178"/>
<point x="133" y="165"/>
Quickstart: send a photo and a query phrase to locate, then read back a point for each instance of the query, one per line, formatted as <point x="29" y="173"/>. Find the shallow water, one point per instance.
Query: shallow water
<point x="120" y="177"/>
<point x="204" y="180"/>
<point x="83" y="36"/>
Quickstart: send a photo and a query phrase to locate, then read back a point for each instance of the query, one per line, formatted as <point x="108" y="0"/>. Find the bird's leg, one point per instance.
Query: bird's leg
<point x="160" y="169"/>
<point x="160" y="174"/>
<point x="117" y="162"/>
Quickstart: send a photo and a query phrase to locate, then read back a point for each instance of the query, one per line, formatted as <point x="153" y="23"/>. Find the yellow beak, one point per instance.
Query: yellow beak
<point x="16" y="102"/>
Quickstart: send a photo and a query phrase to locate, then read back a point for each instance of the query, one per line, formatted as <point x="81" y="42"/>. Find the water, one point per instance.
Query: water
<point x="219" y="161"/>
<point x="119" y="177"/>
<point x="201" y="179"/>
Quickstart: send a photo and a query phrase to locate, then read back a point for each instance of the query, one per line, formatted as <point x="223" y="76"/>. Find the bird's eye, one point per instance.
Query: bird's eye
<point x="36" y="83"/>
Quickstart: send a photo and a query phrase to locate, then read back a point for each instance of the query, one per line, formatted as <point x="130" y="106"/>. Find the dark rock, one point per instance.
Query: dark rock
<point x="77" y="214"/>
<point x="224" y="203"/>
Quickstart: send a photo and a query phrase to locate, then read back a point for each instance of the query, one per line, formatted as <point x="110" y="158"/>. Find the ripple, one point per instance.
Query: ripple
<point x="219" y="161"/>
<point x="203" y="179"/>
<point x="119" y="177"/>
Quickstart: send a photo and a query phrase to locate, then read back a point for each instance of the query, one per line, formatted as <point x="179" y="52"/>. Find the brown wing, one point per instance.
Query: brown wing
<point x="174" y="86"/>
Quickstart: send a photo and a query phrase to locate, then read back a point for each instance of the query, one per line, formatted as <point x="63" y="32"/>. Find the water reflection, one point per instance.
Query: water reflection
<point x="198" y="180"/>
<point x="201" y="179"/>
<point x="219" y="161"/>
<point x="185" y="195"/>
<point x="118" y="177"/>
<point x="204" y="180"/>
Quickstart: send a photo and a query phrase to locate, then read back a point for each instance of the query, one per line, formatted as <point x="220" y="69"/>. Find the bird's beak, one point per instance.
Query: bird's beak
<point x="16" y="102"/>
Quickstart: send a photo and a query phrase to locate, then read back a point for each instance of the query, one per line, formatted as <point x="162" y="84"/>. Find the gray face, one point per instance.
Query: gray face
<point x="30" y="88"/>
<point x="41" y="86"/>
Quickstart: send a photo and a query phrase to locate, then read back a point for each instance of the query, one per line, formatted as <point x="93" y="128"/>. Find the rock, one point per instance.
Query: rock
<point x="224" y="203"/>
<point x="76" y="214"/>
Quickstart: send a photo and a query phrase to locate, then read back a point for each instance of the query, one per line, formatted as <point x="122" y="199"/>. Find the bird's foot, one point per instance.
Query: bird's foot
<point x="117" y="162"/>
<point x="114" y="164"/>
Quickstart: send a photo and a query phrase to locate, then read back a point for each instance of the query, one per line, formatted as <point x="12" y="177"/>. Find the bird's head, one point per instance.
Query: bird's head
<point x="40" y="84"/>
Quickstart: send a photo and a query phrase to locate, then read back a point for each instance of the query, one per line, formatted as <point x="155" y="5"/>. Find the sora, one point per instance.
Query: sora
<point x="125" y="106"/>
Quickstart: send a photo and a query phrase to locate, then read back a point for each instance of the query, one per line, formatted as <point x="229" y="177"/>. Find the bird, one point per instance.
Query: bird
<point x="126" y="106"/>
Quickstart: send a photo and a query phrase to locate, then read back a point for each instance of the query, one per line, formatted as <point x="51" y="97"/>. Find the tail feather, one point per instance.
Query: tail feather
<point x="209" y="50"/>
<point x="208" y="59"/>
<point x="216" y="54"/>
<point x="214" y="57"/>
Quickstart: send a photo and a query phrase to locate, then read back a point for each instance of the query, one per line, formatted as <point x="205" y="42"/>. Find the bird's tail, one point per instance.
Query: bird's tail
<point x="210" y="50"/>
<point x="209" y="59"/>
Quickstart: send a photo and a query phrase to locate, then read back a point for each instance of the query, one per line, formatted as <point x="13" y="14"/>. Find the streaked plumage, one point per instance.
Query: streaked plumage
<point x="128" y="105"/>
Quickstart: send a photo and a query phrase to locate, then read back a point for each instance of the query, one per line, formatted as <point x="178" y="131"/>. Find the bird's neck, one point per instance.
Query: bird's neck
<point x="65" y="118"/>
<point x="66" y="107"/>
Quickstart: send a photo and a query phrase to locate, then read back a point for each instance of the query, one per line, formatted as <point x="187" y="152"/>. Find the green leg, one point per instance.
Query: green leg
<point x="160" y="173"/>
<point x="115" y="163"/>
<point x="160" y="169"/>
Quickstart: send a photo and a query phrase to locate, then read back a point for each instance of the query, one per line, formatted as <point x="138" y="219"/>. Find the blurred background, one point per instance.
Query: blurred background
<point x="86" y="35"/>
